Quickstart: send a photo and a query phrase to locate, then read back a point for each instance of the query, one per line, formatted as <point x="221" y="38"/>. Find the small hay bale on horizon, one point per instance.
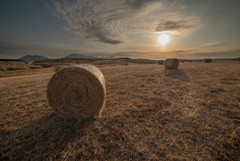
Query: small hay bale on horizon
<point x="171" y="63"/>
<point x="77" y="91"/>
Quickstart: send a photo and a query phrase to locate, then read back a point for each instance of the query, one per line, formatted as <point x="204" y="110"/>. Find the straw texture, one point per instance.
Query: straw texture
<point x="77" y="91"/>
<point x="59" y="67"/>
<point x="171" y="63"/>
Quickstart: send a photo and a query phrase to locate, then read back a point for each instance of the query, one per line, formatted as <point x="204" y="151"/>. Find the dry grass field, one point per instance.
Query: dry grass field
<point x="151" y="114"/>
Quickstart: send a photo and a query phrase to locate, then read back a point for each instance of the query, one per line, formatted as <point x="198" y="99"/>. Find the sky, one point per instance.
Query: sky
<point x="152" y="29"/>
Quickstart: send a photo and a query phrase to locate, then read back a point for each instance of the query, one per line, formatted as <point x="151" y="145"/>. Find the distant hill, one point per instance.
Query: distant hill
<point x="75" y="55"/>
<point x="32" y="57"/>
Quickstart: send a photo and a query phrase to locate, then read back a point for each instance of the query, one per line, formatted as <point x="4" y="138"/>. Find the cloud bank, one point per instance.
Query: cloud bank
<point x="101" y="20"/>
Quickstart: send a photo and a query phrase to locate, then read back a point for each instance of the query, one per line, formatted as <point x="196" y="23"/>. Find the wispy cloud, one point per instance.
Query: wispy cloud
<point x="136" y="4"/>
<point x="212" y="44"/>
<point x="112" y="21"/>
<point x="101" y="20"/>
<point x="173" y="25"/>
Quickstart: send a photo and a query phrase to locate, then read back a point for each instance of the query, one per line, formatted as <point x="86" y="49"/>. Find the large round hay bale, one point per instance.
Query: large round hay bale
<point x="171" y="63"/>
<point x="77" y="91"/>
<point x="57" y="68"/>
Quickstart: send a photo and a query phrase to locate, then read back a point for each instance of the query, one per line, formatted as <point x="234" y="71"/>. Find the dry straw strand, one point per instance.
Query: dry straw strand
<point x="77" y="91"/>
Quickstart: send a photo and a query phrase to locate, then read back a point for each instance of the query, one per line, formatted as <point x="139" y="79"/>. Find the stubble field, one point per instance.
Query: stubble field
<point x="151" y="114"/>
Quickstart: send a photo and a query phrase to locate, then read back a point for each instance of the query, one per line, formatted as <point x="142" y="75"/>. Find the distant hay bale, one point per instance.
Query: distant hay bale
<point x="208" y="60"/>
<point x="171" y="63"/>
<point x="57" y="68"/>
<point x="160" y="62"/>
<point x="77" y="91"/>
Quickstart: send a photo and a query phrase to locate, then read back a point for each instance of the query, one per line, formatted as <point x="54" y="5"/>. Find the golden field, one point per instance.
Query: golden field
<point x="151" y="114"/>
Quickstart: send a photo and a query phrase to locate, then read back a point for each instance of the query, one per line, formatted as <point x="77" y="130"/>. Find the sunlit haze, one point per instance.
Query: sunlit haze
<point x="163" y="39"/>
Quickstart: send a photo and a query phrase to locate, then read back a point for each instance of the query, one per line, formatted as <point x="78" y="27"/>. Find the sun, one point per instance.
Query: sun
<point x="163" y="39"/>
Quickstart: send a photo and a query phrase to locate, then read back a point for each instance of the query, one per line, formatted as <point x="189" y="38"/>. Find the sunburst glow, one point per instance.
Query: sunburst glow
<point x="163" y="39"/>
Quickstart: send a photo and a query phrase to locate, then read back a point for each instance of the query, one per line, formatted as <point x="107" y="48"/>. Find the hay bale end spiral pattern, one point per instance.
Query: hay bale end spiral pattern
<point x="77" y="91"/>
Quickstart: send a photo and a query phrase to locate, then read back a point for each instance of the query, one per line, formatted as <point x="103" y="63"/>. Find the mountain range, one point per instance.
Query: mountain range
<point x="76" y="55"/>
<point x="32" y="57"/>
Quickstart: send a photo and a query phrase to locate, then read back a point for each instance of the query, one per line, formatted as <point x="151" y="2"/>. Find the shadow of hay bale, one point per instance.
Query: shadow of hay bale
<point x="42" y="139"/>
<point x="176" y="74"/>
